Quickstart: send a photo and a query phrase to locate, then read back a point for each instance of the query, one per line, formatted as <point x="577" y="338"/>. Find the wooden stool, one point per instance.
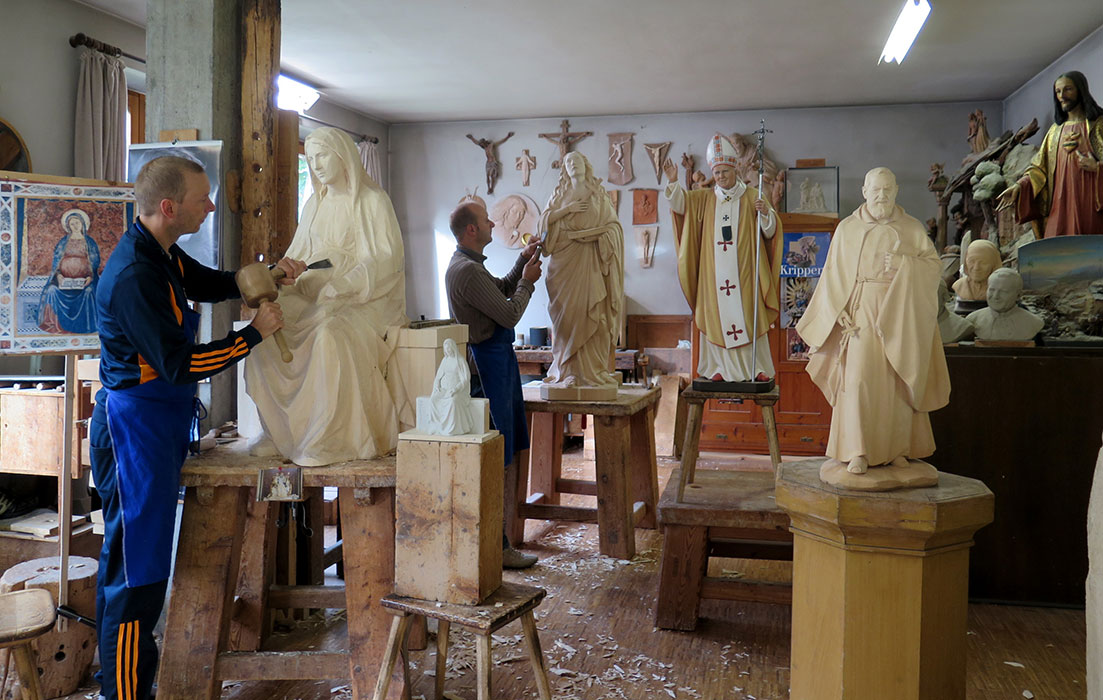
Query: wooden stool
<point x="695" y="404"/>
<point x="505" y="605"/>
<point x="724" y="514"/>
<point x="25" y="615"/>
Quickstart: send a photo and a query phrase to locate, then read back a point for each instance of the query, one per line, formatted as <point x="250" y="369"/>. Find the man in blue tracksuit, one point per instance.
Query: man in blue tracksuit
<point x="145" y="413"/>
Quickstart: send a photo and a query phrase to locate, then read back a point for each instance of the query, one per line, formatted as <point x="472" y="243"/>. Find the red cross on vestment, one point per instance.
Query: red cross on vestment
<point x="735" y="332"/>
<point x="727" y="288"/>
<point x="725" y="244"/>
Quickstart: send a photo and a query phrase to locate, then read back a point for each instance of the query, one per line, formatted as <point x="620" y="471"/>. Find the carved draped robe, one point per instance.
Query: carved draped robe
<point x="877" y="353"/>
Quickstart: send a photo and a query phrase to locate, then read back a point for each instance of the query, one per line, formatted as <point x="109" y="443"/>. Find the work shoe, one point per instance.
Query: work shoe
<point x="513" y="559"/>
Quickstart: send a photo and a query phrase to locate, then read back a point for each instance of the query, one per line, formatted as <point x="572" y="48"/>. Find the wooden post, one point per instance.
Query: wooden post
<point x="287" y="182"/>
<point x="260" y="66"/>
<point x="880" y="586"/>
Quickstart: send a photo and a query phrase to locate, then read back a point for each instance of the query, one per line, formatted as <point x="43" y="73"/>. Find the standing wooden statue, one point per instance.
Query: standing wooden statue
<point x="585" y="284"/>
<point x="493" y="166"/>
<point x="875" y="349"/>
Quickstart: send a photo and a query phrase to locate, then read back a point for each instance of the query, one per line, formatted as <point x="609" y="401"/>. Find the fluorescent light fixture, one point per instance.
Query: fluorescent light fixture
<point x="292" y="94"/>
<point x="907" y="27"/>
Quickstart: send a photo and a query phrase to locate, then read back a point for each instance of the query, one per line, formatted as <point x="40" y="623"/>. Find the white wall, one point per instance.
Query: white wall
<point x="432" y="164"/>
<point x="1034" y="100"/>
<point x="38" y="90"/>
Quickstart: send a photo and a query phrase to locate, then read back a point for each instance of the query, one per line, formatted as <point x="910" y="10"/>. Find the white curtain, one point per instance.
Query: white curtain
<point x="99" y="141"/>
<point x="369" y="156"/>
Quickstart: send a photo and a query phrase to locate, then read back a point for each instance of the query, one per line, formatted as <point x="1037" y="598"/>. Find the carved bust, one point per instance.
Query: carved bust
<point x="981" y="258"/>
<point x="1004" y="319"/>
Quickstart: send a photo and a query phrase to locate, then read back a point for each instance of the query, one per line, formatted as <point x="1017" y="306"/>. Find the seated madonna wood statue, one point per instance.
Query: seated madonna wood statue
<point x="341" y="397"/>
<point x="585" y="281"/>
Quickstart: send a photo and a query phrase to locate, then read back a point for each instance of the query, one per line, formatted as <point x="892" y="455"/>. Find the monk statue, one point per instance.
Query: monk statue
<point x="585" y="280"/>
<point x="341" y="398"/>
<point x="981" y="259"/>
<point x="875" y="350"/>
<point x="1004" y="319"/>
<point x="716" y="231"/>
<point x="1063" y="186"/>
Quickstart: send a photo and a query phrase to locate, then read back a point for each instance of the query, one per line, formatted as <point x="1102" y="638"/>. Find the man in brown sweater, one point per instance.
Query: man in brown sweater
<point x="491" y="307"/>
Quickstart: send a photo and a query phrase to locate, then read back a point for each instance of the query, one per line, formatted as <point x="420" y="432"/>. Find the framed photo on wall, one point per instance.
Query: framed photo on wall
<point x="55" y="237"/>
<point x="812" y="191"/>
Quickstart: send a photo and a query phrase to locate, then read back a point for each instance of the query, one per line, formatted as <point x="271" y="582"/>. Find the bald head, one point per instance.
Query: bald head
<point x="463" y="216"/>
<point x="879" y="191"/>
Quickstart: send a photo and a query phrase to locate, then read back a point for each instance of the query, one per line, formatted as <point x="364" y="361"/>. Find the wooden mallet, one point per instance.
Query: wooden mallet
<point x="257" y="283"/>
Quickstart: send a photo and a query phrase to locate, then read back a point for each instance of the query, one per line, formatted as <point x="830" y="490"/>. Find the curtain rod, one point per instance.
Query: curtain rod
<point x="82" y="39"/>
<point x="363" y="137"/>
<point x="85" y="40"/>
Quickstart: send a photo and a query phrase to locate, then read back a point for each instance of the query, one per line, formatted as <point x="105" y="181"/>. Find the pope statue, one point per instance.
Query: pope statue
<point x="716" y="232"/>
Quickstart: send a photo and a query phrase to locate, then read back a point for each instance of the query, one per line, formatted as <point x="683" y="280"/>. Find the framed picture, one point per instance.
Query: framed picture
<point x="804" y="253"/>
<point x="796" y="292"/>
<point x="55" y="237"/>
<point x="204" y="244"/>
<point x="812" y="191"/>
<point x="795" y="347"/>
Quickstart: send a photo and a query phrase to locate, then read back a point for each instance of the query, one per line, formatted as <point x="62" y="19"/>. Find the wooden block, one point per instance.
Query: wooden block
<point x="63" y="657"/>
<point x="684" y="561"/>
<point x="420" y="351"/>
<point x="178" y="135"/>
<point x="40" y="523"/>
<point x="448" y="542"/>
<point x="16" y="547"/>
<point x="88" y="370"/>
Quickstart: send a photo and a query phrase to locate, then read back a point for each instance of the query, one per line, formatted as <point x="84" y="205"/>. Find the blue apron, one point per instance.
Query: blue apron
<point x="151" y="425"/>
<point x="501" y="381"/>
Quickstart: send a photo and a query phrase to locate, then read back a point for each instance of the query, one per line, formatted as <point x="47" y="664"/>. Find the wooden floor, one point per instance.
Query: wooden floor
<point x="597" y="631"/>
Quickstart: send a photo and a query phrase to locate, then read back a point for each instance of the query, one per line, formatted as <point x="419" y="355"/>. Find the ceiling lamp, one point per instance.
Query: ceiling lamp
<point x="294" y="95"/>
<point x="907" y="27"/>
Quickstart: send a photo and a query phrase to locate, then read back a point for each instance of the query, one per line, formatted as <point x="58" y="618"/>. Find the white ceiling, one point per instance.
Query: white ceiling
<point x="432" y="60"/>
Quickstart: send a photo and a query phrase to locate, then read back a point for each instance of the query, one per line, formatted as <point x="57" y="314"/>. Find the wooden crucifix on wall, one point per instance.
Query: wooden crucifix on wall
<point x="565" y="138"/>
<point x="493" y="167"/>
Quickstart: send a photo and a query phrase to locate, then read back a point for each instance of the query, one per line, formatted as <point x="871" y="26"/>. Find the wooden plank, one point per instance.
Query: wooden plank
<point x="546" y="453"/>
<point x="333" y="554"/>
<point x="251" y="621"/>
<point x="578" y="514"/>
<point x="612" y="446"/>
<point x="277" y="665"/>
<point x="713" y="588"/>
<point x="287" y="181"/>
<point x="319" y="596"/>
<point x="202" y="587"/>
<point x="369" y="575"/>
<point x="644" y="463"/>
<point x="751" y="549"/>
<point x="509" y="602"/>
<point x="232" y="465"/>
<point x="584" y="487"/>
<point x="681" y="572"/>
<point x="630" y="399"/>
<point x="725" y="498"/>
<point x="260" y="65"/>
<point x="169" y="135"/>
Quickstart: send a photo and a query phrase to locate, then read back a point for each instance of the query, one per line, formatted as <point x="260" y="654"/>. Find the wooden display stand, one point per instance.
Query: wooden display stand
<point x="695" y="402"/>
<point x="627" y="484"/>
<point x="197" y="655"/>
<point x="511" y="601"/>
<point x="724" y="514"/>
<point x="880" y="586"/>
<point x="448" y="545"/>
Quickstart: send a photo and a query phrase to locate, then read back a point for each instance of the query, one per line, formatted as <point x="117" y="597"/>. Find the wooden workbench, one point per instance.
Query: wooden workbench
<point x="197" y="654"/>
<point x="627" y="485"/>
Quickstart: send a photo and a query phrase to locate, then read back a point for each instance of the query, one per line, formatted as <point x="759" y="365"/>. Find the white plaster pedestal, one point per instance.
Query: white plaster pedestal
<point x="880" y="583"/>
